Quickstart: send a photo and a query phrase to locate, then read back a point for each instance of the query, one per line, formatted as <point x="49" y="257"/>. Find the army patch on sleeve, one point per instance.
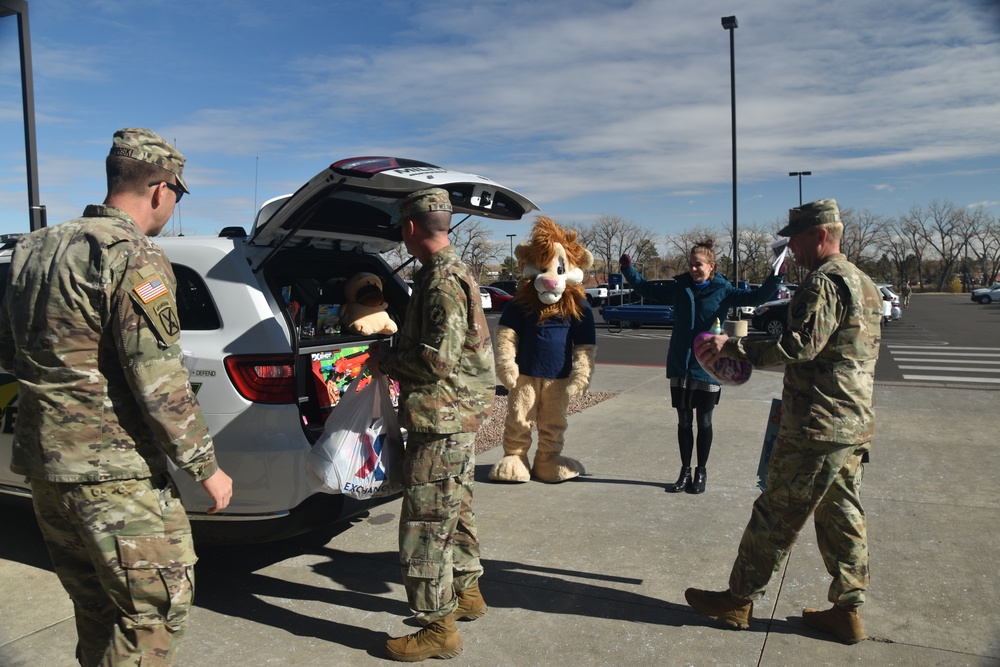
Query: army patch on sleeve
<point x="151" y="289"/>
<point x="437" y="315"/>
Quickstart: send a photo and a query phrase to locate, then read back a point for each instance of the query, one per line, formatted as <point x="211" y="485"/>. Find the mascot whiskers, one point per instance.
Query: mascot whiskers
<point x="545" y="350"/>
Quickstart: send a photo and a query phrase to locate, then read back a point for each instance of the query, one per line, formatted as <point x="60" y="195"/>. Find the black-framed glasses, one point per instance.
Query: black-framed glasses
<point x="173" y="186"/>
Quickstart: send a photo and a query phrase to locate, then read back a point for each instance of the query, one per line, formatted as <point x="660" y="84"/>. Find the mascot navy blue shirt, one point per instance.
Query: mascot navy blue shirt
<point x="544" y="349"/>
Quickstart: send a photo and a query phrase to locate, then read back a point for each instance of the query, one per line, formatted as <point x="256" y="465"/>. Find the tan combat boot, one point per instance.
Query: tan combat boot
<point x="844" y="623"/>
<point x="722" y="606"/>
<point x="471" y="604"/>
<point x="438" y="640"/>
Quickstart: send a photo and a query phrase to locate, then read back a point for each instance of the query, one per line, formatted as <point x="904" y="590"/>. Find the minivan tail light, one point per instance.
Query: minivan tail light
<point x="263" y="378"/>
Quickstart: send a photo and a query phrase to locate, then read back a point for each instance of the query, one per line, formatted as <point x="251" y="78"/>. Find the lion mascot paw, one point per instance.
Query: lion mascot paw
<point x="546" y="343"/>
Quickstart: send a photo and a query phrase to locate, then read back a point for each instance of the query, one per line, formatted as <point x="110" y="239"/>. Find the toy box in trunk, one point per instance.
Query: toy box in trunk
<point x="309" y="286"/>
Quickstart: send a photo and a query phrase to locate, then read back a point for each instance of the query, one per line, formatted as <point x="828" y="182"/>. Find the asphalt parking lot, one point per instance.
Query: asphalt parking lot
<point x="592" y="571"/>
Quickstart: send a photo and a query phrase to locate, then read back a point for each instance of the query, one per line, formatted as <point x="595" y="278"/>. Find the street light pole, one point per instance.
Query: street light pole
<point x="19" y="8"/>
<point x="730" y="23"/>
<point x="510" y="266"/>
<point x="800" y="174"/>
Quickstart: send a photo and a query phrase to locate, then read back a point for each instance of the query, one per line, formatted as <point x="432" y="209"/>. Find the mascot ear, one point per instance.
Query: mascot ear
<point x="587" y="260"/>
<point x="521" y="253"/>
<point x="524" y="264"/>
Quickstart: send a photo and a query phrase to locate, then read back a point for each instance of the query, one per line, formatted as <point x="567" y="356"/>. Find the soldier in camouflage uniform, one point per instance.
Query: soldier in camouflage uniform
<point x="829" y="350"/>
<point x="444" y="365"/>
<point x="89" y="328"/>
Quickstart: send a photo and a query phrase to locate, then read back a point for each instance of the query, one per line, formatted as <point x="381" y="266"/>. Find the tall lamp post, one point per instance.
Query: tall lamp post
<point x="730" y="23"/>
<point x="510" y="266"/>
<point x="19" y="8"/>
<point x="800" y="174"/>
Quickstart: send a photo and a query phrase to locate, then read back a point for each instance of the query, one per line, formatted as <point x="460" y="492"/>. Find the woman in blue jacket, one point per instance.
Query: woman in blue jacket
<point x="698" y="297"/>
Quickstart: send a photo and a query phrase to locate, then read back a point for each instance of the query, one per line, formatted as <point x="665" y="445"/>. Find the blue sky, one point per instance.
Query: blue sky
<point x="588" y="108"/>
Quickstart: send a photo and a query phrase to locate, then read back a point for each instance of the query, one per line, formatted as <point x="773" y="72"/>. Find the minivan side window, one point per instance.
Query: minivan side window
<point x="194" y="302"/>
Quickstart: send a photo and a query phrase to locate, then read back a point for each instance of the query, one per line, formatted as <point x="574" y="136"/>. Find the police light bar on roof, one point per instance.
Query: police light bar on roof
<point x="370" y="165"/>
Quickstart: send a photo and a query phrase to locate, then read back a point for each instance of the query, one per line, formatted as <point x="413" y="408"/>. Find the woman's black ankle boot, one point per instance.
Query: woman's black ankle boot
<point x="698" y="484"/>
<point x="682" y="482"/>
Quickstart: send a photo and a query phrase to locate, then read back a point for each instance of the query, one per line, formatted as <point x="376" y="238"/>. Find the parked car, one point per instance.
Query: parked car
<point x="783" y="291"/>
<point x="987" y="294"/>
<point x="486" y="301"/>
<point x="498" y="298"/>
<point x="889" y="294"/>
<point x="509" y="286"/>
<point x="771" y="317"/>
<point x="596" y="296"/>
<point x="636" y="315"/>
<point x="258" y="325"/>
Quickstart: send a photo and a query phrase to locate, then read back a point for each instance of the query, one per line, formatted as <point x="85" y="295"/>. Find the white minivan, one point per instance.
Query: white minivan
<point x="262" y="344"/>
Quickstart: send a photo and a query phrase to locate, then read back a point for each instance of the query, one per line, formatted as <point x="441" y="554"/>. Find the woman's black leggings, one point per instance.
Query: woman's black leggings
<point x="685" y="434"/>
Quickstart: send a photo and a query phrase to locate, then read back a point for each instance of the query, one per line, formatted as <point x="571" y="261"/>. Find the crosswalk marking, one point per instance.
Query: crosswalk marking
<point x="976" y="365"/>
<point x="941" y="368"/>
<point x="953" y="378"/>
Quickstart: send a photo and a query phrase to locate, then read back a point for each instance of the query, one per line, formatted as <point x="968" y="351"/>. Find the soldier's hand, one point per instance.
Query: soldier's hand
<point x="711" y="347"/>
<point x="219" y="488"/>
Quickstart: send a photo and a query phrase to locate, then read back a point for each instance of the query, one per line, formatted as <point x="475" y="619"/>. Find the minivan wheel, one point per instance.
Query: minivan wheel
<point x="775" y="327"/>
<point x="985" y="299"/>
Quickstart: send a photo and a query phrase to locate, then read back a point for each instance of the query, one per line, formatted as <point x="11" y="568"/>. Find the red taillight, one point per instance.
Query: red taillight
<point x="263" y="378"/>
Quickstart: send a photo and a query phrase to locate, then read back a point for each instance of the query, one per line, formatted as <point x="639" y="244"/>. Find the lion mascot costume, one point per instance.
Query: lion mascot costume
<point x="545" y="350"/>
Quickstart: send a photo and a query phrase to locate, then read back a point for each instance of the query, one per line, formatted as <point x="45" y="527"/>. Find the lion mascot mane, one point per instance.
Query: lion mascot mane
<point x="545" y="350"/>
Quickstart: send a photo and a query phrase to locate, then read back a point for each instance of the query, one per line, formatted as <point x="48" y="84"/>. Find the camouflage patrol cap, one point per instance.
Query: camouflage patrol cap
<point x="139" y="143"/>
<point x="814" y="213"/>
<point x="422" y="201"/>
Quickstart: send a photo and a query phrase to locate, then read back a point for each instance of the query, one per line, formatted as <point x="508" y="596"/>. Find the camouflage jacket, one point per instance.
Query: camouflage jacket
<point x="444" y="359"/>
<point x="829" y="349"/>
<point x="89" y="327"/>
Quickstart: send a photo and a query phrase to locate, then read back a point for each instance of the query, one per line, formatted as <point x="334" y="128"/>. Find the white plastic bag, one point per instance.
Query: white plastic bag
<point x="360" y="452"/>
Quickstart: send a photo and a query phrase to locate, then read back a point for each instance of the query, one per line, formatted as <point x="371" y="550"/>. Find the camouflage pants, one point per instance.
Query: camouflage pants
<point x="123" y="552"/>
<point x="438" y="543"/>
<point x="805" y="476"/>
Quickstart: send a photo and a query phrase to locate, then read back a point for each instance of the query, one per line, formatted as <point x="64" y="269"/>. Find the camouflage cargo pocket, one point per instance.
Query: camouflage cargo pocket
<point x="424" y="464"/>
<point x="160" y="574"/>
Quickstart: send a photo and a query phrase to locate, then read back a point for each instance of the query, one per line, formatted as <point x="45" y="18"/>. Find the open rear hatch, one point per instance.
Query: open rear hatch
<point x="354" y="204"/>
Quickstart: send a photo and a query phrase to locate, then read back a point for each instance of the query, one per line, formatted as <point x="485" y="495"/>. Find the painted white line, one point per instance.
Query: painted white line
<point x="947" y="368"/>
<point x="990" y="355"/>
<point x="897" y="346"/>
<point x="952" y="378"/>
<point x="927" y="360"/>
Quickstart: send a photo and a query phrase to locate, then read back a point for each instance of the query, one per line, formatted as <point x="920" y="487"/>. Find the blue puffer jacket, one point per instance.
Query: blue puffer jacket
<point x="695" y="310"/>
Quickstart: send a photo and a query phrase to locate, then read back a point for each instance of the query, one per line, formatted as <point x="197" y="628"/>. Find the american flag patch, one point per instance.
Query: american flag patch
<point x="151" y="289"/>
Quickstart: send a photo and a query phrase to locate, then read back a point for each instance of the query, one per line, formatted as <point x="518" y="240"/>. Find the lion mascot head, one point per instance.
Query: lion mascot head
<point x="552" y="264"/>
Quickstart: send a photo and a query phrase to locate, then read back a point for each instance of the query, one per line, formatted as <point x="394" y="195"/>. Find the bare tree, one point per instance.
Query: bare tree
<point x="902" y="239"/>
<point x="941" y="231"/>
<point x="474" y="244"/>
<point x="861" y="230"/>
<point x="398" y="257"/>
<point x="985" y="244"/>
<point x="611" y="237"/>
<point x="647" y="258"/>
<point x="755" y="253"/>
